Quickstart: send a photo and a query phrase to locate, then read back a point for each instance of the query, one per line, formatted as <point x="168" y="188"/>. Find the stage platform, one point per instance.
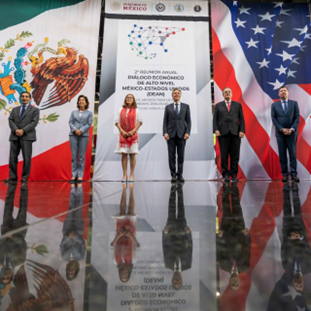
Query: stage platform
<point x="148" y="246"/>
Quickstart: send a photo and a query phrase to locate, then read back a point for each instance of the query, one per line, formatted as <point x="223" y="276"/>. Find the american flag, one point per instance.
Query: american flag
<point x="257" y="48"/>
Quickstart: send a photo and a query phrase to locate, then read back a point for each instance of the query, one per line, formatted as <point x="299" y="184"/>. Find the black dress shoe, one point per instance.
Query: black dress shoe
<point x="180" y="179"/>
<point x="24" y="184"/>
<point x="72" y="181"/>
<point x="174" y="179"/>
<point x="234" y="179"/>
<point x="10" y="180"/>
<point x="295" y="179"/>
<point x="226" y="178"/>
<point x="79" y="181"/>
<point x="24" y="180"/>
<point x="285" y="178"/>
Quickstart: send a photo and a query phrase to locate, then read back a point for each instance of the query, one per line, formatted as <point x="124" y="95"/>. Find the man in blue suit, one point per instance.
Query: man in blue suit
<point x="176" y="131"/>
<point x="285" y="117"/>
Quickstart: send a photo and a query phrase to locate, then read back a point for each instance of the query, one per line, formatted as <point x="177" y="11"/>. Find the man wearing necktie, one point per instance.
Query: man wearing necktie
<point x="229" y="127"/>
<point x="285" y="117"/>
<point x="176" y="130"/>
<point x="177" y="237"/>
<point x="23" y="121"/>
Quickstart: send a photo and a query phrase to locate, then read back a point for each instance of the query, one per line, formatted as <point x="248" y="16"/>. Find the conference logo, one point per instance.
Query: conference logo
<point x="115" y="6"/>
<point x="179" y="8"/>
<point x="34" y="68"/>
<point x="147" y="41"/>
<point x="160" y="7"/>
<point x="197" y="8"/>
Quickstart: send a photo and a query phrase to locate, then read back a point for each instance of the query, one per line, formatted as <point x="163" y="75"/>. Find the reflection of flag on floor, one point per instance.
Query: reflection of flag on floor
<point x="257" y="48"/>
<point x="47" y="48"/>
<point x="254" y="291"/>
<point x="45" y="202"/>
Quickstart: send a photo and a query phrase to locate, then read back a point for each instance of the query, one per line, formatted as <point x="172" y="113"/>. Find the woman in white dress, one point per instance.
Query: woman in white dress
<point x="128" y="121"/>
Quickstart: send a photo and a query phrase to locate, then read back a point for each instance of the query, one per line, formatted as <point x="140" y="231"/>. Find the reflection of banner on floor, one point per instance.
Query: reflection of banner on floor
<point x="49" y="49"/>
<point x="256" y="50"/>
<point x="150" y="284"/>
<point x="148" y="54"/>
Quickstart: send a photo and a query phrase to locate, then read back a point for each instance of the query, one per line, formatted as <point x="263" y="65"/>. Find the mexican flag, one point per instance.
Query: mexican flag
<point x="48" y="48"/>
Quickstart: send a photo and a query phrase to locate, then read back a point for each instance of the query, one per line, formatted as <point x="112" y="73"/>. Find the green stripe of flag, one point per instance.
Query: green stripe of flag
<point x="13" y="12"/>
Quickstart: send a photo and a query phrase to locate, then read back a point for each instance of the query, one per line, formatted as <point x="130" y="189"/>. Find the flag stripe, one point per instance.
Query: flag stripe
<point x="14" y="12"/>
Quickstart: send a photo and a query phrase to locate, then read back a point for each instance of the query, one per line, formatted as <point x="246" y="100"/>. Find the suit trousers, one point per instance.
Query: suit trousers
<point x="74" y="220"/>
<point x="13" y="223"/>
<point x="78" y="147"/>
<point x="287" y="142"/>
<point x="15" y="148"/>
<point x="229" y="145"/>
<point x="176" y="144"/>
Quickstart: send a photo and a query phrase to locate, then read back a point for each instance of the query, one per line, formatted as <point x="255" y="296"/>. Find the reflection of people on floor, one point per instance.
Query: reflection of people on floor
<point x="124" y="246"/>
<point x="233" y="241"/>
<point x="296" y="251"/>
<point x="177" y="237"/>
<point x="72" y="247"/>
<point x="13" y="247"/>
<point x="288" y="293"/>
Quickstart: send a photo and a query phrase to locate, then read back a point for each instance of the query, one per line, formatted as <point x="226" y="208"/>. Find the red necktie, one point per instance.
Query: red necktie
<point x="228" y="106"/>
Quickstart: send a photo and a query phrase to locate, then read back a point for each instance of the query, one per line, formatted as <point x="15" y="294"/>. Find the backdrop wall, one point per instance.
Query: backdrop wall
<point x="149" y="49"/>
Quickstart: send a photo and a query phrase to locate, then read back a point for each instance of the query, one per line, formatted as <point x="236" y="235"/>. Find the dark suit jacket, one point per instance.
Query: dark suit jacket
<point x="179" y="125"/>
<point x="177" y="244"/>
<point x="233" y="245"/>
<point x="282" y="120"/>
<point x="28" y="123"/>
<point x="228" y="122"/>
<point x="14" y="248"/>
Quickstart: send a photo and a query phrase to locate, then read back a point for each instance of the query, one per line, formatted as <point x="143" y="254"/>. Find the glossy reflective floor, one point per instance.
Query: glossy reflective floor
<point x="155" y="246"/>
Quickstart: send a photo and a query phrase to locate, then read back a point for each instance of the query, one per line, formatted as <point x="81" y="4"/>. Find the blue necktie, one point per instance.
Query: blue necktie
<point x="23" y="111"/>
<point x="176" y="110"/>
<point x="285" y="107"/>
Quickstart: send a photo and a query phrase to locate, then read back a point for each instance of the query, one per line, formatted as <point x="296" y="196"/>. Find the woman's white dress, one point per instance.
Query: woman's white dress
<point x="134" y="147"/>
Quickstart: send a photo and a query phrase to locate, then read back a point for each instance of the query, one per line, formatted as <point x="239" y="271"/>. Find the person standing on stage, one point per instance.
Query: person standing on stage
<point x="80" y="122"/>
<point x="176" y="130"/>
<point x="229" y="127"/>
<point x="285" y="117"/>
<point x="23" y="121"/>
<point x="128" y="121"/>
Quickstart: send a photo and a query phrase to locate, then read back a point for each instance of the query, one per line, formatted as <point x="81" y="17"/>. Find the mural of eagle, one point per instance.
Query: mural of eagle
<point x="53" y="292"/>
<point x="68" y="73"/>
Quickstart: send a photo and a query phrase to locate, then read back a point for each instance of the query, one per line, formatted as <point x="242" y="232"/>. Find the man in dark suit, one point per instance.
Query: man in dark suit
<point x="13" y="248"/>
<point x="285" y="117"/>
<point x="229" y="127"/>
<point x="23" y="121"/>
<point x="177" y="238"/>
<point x="233" y="242"/>
<point x="176" y="130"/>
<point x="295" y="250"/>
